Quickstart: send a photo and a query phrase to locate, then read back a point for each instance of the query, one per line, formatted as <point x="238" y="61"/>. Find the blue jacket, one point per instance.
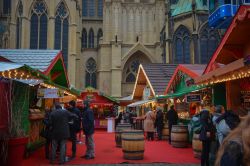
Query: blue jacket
<point x="88" y="121"/>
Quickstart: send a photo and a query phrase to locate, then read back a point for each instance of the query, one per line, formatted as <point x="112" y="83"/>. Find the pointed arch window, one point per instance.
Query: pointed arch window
<point x="100" y="8"/>
<point x="182" y="46"/>
<point x="62" y="30"/>
<point x="84" y="8"/>
<point x="131" y="71"/>
<point x="99" y="35"/>
<point x="90" y="73"/>
<point x="19" y="25"/>
<point x="91" y="38"/>
<point x="38" y="25"/>
<point x="6" y="6"/>
<point x="84" y="38"/>
<point x="209" y="39"/>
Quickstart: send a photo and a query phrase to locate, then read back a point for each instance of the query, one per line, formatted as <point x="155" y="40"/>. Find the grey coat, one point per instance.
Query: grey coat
<point x="59" y="122"/>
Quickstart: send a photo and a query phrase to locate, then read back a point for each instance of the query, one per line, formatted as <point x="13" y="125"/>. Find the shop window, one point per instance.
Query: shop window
<point x="99" y="35"/>
<point x="38" y="26"/>
<point x="62" y="31"/>
<point x="90" y="79"/>
<point x="84" y="38"/>
<point x="91" y="38"/>
<point x="182" y="45"/>
<point x="100" y="8"/>
<point x="209" y="39"/>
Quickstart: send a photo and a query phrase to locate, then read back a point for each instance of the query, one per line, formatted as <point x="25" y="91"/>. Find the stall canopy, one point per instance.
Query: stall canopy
<point x="49" y="62"/>
<point x="227" y="62"/>
<point x="139" y="103"/>
<point x="156" y="76"/>
<point x="97" y="98"/>
<point x="182" y="81"/>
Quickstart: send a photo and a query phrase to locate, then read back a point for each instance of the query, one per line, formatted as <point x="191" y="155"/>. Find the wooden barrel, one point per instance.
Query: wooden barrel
<point x="119" y="128"/>
<point x="179" y="136"/>
<point x="197" y="145"/>
<point x="133" y="144"/>
<point x="165" y="132"/>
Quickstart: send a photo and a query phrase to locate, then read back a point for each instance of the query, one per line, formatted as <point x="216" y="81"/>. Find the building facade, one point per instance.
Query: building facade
<point x="186" y="37"/>
<point x="104" y="41"/>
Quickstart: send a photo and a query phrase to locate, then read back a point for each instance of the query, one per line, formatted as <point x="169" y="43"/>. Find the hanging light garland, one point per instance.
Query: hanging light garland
<point x="229" y="77"/>
<point x="14" y="74"/>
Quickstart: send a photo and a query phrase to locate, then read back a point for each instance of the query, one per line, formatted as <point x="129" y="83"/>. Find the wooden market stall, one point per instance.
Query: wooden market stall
<point x="229" y="66"/>
<point x="184" y="94"/>
<point x="150" y="82"/>
<point x="48" y="66"/>
<point x="103" y="106"/>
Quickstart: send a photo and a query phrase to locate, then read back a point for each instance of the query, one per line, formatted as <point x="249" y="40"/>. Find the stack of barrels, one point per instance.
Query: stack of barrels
<point x="131" y="141"/>
<point x="165" y="132"/>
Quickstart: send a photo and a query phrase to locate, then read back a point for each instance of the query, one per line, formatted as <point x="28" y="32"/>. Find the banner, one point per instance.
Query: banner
<point x="50" y="93"/>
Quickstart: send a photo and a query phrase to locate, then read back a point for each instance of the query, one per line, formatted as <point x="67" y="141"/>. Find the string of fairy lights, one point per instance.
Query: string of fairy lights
<point x="23" y="75"/>
<point x="229" y="77"/>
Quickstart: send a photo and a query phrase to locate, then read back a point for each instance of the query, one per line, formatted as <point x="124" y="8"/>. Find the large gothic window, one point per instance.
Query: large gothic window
<point x="6" y="6"/>
<point x="38" y="26"/>
<point x="84" y="8"/>
<point x="91" y="8"/>
<point x="99" y="35"/>
<point x="19" y="25"/>
<point x="84" y="38"/>
<point x="209" y="39"/>
<point x="131" y="71"/>
<point x="91" y="38"/>
<point x="90" y="77"/>
<point x="62" y="30"/>
<point x="182" y="45"/>
<point x="100" y="8"/>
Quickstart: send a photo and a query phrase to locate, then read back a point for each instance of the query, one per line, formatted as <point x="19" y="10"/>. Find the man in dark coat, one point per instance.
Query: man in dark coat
<point x="172" y="118"/>
<point x="159" y="122"/>
<point x="75" y="125"/>
<point x="88" y="129"/>
<point x="58" y="120"/>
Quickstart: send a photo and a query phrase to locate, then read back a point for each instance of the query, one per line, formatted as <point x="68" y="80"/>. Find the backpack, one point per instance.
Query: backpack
<point x="232" y="120"/>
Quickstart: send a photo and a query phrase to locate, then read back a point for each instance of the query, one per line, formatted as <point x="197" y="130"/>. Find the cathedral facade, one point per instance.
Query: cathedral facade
<point x="104" y="41"/>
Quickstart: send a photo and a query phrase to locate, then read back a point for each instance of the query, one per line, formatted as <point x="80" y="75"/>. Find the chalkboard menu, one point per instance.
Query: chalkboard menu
<point x="193" y="98"/>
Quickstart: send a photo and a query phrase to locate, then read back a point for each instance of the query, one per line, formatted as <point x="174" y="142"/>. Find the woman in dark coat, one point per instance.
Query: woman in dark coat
<point x="205" y="136"/>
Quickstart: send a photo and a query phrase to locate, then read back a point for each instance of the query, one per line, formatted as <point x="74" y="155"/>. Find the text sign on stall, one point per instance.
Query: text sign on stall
<point x="193" y="98"/>
<point x="49" y="93"/>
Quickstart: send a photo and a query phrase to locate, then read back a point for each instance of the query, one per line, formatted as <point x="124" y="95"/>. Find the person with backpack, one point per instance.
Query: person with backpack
<point x="222" y="128"/>
<point x="75" y="125"/>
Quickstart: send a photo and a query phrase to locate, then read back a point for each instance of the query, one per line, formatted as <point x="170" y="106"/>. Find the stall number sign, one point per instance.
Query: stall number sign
<point x="49" y="93"/>
<point x="193" y="98"/>
<point x="146" y="93"/>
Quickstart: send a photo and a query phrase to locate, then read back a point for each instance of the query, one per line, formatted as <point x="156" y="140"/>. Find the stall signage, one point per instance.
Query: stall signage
<point x="193" y="98"/>
<point x="50" y="93"/>
<point x="146" y="93"/>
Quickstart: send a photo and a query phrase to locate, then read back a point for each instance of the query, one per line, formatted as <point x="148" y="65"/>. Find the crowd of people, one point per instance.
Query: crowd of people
<point x="63" y="124"/>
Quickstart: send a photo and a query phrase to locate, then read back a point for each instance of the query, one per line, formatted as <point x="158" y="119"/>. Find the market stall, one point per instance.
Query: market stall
<point x="229" y="66"/>
<point x="184" y="94"/>
<point x="103" y="106"/>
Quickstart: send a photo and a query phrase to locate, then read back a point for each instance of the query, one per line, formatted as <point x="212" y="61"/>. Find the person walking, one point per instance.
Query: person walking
<point x="235" y="149"/>
<point x="59" y="122"/>
<point x="172" y="118"/>
<point x="75" y="125"/>
<point x="149" y="124"/>
<point x="47" y="133"/>
<point x="159" y="122"/>
<point x="88" y="129"/>
<point x="205" y="136"/>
